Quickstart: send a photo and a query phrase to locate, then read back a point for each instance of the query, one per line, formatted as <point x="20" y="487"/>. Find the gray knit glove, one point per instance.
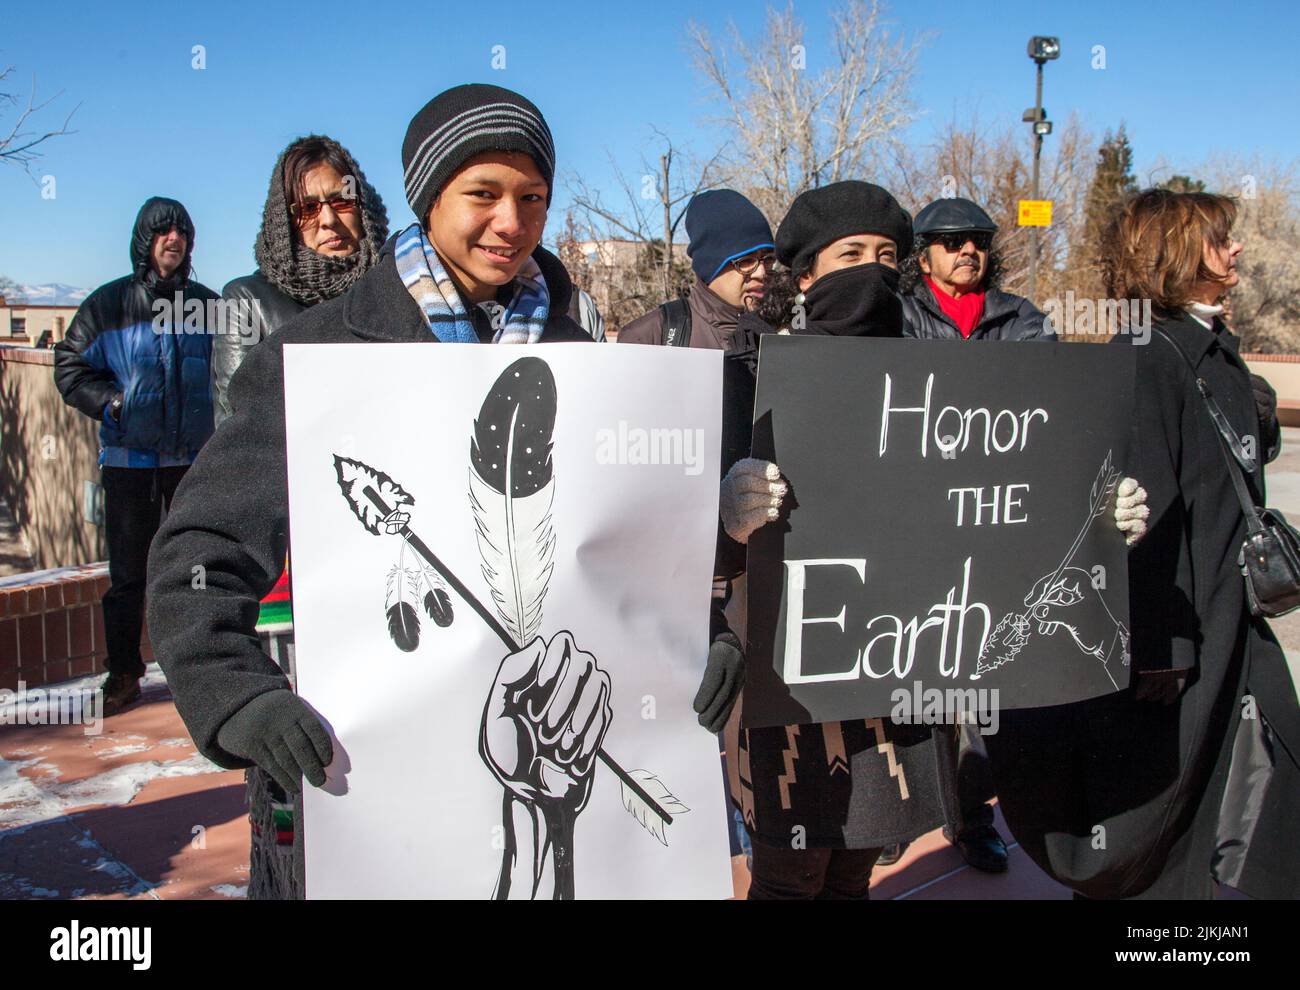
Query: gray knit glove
<point x="724" y="676"/>
<point x="284" y="737"/>
<point x="751" y="497"/>
<point x="1131" y="511"/>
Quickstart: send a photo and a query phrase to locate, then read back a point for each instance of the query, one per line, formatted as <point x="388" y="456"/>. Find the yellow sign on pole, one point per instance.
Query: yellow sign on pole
<point x="1035" y="213"/>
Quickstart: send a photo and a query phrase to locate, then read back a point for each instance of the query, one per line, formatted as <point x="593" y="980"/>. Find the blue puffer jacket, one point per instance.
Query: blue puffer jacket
<point x="125" y="339"/>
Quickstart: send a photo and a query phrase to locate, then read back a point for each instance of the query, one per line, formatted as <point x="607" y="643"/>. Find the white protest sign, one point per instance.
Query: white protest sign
<point x="502" y="559"/>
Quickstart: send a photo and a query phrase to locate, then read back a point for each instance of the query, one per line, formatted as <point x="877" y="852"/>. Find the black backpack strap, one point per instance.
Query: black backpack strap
<point x="675" y="323"/>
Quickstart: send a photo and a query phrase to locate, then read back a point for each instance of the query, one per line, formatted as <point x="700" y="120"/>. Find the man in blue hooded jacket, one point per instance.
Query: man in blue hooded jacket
<point x="137" y="358"/>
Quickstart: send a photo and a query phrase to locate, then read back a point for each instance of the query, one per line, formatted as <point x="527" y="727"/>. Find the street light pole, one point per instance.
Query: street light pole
<point x="1041" y="49"/>
<point x="1038" y="154"/>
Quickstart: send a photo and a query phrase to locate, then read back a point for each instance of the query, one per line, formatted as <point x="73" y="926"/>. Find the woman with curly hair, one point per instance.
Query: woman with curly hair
<point x="323" y="226"/>
<point x="1189" y="776"/>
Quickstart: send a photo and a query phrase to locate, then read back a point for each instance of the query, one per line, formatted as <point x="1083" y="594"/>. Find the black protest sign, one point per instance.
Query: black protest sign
<point x="949" y="537"/>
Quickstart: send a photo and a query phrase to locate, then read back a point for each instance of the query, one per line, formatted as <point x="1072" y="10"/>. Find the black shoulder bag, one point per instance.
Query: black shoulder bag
<point x="1270" y="554"/>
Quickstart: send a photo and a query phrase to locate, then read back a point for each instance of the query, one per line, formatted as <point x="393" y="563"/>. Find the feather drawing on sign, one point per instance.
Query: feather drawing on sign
<point x="511" y="485"/>
<point x="549" y="705"/>
<point x="1065" y="607"/>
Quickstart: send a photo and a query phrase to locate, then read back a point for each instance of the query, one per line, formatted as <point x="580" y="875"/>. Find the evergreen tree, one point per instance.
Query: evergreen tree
<point x="1183" y="184"/>
<point x="1112" y="182"/>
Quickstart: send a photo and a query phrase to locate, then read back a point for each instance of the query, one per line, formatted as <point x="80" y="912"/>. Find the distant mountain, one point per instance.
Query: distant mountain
<point x="52" y="294"/>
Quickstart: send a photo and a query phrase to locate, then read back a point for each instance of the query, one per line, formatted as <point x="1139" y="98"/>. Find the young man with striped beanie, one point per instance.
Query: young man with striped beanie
<point x="479" y="162"/>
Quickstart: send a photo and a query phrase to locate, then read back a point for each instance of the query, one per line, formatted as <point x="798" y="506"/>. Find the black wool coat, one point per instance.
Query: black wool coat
<point x="1121" y="797"/>
<point x="231" y="512"/>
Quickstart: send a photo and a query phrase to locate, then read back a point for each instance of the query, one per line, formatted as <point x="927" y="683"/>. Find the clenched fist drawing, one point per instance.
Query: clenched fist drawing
<point x="546" y="715"/>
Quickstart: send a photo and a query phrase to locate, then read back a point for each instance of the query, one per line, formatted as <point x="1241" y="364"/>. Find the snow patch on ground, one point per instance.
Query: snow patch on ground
<point x="230" y="890"/>
<point x="124" y="750"/>
<point x="24" y="801"/>
<point x="24" y="888"/>
<point x="126" y="879"/>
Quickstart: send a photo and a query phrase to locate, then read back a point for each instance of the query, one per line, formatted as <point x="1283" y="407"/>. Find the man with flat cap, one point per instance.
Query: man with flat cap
<point x="950" y="281"/>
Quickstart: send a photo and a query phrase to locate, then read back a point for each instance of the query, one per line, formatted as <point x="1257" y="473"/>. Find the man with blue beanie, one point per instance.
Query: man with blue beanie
<point x="732" y="251"/>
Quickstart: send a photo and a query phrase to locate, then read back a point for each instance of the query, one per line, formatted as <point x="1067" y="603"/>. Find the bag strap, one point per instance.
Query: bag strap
<point x="1230" y="444"/>
<point x="675" y="323"/>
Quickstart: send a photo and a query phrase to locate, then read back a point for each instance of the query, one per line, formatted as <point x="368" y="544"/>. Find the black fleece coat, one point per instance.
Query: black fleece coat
<point x="231" y="513"/>
<point x="1121" y="797"/>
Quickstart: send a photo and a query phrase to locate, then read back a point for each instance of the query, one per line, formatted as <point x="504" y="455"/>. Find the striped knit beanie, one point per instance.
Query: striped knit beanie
<point x="462" y="122"/>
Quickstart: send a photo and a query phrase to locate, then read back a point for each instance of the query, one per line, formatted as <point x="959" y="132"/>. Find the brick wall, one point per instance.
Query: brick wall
<point x="52" y="626"/>
<point x="48" y="451"/>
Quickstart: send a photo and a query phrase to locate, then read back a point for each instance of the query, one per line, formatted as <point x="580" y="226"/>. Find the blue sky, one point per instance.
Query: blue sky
<point x="1187" y="80"/>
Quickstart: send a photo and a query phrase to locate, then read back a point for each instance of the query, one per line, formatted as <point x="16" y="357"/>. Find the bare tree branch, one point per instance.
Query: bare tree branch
<point x="793" y="129"/>
<point x="18" y="146"/>
<point x="626" y="251"/>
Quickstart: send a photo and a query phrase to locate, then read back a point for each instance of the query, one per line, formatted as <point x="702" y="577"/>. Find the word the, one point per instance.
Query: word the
<point x="636" y="445"/>
<point x="1006" y="503"/>
<point x="1003" y="431"/>
<point x="77" y="944"/>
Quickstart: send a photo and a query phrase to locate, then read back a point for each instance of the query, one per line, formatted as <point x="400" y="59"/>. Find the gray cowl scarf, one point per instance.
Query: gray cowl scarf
<point x="299" y="272"/>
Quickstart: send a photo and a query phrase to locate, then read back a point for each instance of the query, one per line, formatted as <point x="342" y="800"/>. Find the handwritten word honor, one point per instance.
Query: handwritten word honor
<point x="1002" y="431"/>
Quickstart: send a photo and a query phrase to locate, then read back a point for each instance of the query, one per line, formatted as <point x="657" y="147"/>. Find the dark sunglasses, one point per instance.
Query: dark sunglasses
<point x="308" y="212"/>
<point x="982" y="239"/>
<point x="750" y="262"/>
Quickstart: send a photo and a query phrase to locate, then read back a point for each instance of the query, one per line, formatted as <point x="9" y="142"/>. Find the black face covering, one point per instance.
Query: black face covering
<point x="861" y="301"/>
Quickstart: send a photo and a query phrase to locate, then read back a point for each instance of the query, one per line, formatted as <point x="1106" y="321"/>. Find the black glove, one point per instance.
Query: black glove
<point x="284" y="737"/>
<point x="724" y="676"/>
<point x="1265" y="399"/>
<point x="115" y="407"/>
<point x="1160" y="686"/>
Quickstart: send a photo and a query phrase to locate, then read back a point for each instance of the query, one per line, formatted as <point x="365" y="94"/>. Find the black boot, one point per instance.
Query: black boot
<point x="120" y="690"/>
<point x="892" y="854"/>
<point x="982" y="848"/>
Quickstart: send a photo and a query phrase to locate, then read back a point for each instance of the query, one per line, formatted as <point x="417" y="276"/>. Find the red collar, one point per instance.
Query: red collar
<point x="965" y="311"/>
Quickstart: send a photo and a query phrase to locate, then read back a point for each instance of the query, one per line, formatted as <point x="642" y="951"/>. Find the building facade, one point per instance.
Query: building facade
<point x="33" y="326"/>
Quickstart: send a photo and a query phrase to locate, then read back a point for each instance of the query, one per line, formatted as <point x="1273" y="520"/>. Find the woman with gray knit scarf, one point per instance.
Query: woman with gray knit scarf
<point x="322" y="228"/>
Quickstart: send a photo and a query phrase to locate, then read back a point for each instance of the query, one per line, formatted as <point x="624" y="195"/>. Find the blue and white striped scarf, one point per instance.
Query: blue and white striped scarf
<point x="421" y="271"/>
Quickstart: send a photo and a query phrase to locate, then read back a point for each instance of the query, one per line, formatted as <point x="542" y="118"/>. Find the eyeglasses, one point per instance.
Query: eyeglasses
<point x="751" y="262"/>
<point x="954" y="241"/>
<point x="309" y="212"/>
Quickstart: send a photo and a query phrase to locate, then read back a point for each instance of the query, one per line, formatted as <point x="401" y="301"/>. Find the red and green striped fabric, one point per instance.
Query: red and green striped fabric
<point x="277" y="606"/>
